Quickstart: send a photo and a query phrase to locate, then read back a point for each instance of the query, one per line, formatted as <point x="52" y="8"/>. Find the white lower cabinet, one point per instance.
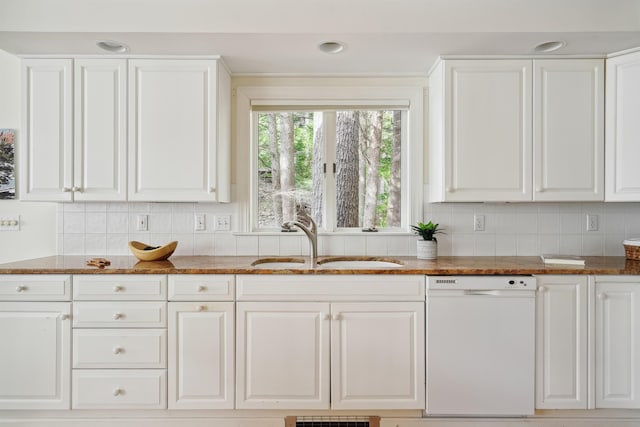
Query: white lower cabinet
<point x="617" y="342"/>
<point x="119" y="342"/>
<point x="344" y="354"/>
<point x="201" y="364"/>
<point x="35" y="355"/>
<point x="562" y="342"/>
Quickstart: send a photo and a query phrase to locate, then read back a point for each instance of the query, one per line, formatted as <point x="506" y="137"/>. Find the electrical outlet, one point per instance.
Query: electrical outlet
<point x="223" y="222"/>
<point x="200" y="222"/>
<point x="592" y="222"/>
<point x="478" y="222"/>
<point x="142" y="222"/>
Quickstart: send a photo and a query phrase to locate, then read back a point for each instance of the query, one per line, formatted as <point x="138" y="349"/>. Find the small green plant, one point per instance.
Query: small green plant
<point x="427" y="231"/>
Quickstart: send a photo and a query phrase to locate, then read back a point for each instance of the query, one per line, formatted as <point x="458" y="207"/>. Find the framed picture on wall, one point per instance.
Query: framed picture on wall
<point x="7" y="164"/>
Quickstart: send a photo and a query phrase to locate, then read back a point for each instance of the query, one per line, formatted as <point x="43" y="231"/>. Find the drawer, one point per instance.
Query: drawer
<point x="136" y="314"/>
<point x="201" y="287"/>
<point x="30" y="287"/>
<point x="113" y="287"/>
<point x="119" y="389"/>
<point x="117" y="348"/>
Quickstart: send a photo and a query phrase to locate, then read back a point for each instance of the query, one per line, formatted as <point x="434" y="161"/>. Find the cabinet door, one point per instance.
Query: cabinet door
<point x="623" y="128"/>
<point x="172" y="125"/>
<point x="100" y="130"/>
<point x="568" y="132"/>
<point x="46" y="150"/>
<point x="282" y="355"/>
<point x="561" y="342"/>
<point x="35" y="362"/>
<point x="201" y="363"/>
<point x="487" y="130"/>
<point x="617" y="345"/>
<point x="377" y="356"/>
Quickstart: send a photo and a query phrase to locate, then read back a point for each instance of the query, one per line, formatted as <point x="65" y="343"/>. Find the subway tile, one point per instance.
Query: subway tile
<point x="95" y="244"/>
<point x="161" y="222"/>
<point x="117" y="244"/>
<point x="355" y="245"/>
<point x="593" y="244"/>
<point x="185" y="244"/>
<point x="268" y="245"/>
<point x="246" y="245"/>
<point x="117" y="222"/>
<point x="96" y="222"/>
<point x="527" y="245"/>
<point x="293" y="245"/>
<point x="485" y="245"/>
<point x="463" y="245"/>
<point x="73" y="222"/>
<point x="224" y="244"/>
<point x="203" y="244"/>
<point x="377" y="245"/>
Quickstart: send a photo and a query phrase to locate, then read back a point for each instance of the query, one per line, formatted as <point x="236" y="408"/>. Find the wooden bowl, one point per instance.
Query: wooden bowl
<point x="145" y="252"/>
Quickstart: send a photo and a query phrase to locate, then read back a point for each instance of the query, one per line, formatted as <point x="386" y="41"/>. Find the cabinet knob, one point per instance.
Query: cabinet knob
<point x="118" y="350"/>
<point x="118" y="288"/>
<point x="118" y="391"/>
<point x="117" y="316"/>
<point x="602" y="296"/>
<point x="64" y="316"/>
<point x="542" y="289"/>
<point x="76" y="189"/>
<point x="327" y="317"/>
<point x="66" y="189"/>
<point x="336" y="317"/>
<point x="212" y="189"/>
<point x="202" y="288"/>
<point x="201" y="308"/>
<point x="21" y="288"/>
<point x="449" y="190"/>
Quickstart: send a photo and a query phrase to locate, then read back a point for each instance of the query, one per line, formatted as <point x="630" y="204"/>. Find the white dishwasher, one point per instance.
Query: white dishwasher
<point x="480" y="345"/>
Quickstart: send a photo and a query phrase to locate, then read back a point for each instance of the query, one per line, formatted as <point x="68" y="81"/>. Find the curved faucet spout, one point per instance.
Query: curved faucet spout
<point x="312" y="234"/>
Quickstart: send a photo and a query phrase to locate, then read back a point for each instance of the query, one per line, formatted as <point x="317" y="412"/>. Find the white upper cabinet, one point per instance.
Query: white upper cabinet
<point x="516" y="130"/>
<point x="623" y="128"/>
<point x="46" y="143"/>
<point x="480" y="130"/>
<point x="568" y="130"/>
<point x="100" y="138"/>
<point x="179" y="130"/>
<point x="58" y="162"/>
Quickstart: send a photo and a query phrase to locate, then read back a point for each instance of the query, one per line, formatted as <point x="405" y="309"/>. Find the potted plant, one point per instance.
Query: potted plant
<point x="427" y="247"/>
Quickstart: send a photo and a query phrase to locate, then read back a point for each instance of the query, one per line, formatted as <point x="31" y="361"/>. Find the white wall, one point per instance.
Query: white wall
<point x="37" y="235"/>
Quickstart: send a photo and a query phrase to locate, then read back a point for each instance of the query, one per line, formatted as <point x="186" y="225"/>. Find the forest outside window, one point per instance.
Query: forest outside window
<point x="343" y="165"/>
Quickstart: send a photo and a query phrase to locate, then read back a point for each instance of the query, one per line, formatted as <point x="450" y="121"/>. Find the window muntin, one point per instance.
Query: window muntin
<point x="343" y="165"/>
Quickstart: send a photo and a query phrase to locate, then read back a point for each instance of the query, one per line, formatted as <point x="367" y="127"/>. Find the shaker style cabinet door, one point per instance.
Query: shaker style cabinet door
<point x="201" y="355"/>
<point x="617" y="343"/>
<point x="282" y="355"/>
<point x="480" y="130"/>
<point x="568" y="130"/>
<point x="377" y="356"/>
<point x="100" y="137"/>
<point x="178" y="149"/>
<point x="561" y="342"/>
<point x="623" y="128"/>
<point x="46" y="140"/>
<point x="35" y="360"/>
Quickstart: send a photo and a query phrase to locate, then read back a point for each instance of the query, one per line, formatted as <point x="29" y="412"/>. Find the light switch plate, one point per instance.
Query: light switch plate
<point x="223" y="222"/>
<point x="10" y="223"/>
<point x="200" y="222"/>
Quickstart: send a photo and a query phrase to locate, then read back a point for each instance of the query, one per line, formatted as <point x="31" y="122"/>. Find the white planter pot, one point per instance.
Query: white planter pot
<point x="427" y="249"/>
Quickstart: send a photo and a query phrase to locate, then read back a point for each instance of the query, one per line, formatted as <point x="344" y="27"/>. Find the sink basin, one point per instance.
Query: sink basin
<point x="278" y="263"/>
<point x="359" y="262"/>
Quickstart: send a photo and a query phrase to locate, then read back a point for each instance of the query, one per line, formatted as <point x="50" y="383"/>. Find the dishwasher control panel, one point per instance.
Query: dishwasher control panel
<point x="482" y="282"/>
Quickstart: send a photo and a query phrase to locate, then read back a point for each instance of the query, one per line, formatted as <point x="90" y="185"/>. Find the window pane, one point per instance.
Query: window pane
<point x="368" y="169"/>
<point x="290" y="161"/>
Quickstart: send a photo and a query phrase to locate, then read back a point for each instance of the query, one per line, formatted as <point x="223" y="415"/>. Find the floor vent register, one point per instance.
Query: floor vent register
<point x="332" y="422"/>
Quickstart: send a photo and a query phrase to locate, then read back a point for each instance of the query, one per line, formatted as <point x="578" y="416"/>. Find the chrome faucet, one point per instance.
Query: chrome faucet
<point x="311" y="231"/>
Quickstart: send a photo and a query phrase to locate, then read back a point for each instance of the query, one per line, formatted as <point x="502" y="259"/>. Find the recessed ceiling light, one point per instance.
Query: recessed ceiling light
<point x="112" y="46"/>
<point x="331" y="47"/>
<point x="549" y="46"/>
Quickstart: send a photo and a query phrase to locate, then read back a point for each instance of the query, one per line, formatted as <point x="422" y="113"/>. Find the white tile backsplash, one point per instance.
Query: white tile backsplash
<point x="511" y="229"/>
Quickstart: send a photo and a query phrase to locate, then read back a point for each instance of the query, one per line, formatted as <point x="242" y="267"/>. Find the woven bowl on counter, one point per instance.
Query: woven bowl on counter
<point x="632" y="248"/>
<point x="145" y="252"/>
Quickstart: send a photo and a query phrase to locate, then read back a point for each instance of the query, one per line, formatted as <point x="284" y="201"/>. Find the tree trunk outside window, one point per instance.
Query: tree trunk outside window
<point x="275" y="168"/>
<point x="347" y="128"/>
<point x="287" y="167"/>
<point x="393" y="207"/>
<point x="373" y="166"/>
<point x="317" y="207"/>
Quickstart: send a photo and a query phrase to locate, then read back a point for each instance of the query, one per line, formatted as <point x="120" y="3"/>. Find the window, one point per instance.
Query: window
<point x="347" y="162"/>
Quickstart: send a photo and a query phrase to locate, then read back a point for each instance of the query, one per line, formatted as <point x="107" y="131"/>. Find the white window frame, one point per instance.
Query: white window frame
<point x="412" y="158"/>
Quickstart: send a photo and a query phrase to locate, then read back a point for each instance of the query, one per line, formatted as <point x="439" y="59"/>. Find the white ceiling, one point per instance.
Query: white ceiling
<point x="389" y="37"/>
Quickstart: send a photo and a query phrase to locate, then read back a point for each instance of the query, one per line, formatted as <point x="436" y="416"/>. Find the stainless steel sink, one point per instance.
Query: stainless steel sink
<point x="359" y="262"/>
<point x="268" y="263"/>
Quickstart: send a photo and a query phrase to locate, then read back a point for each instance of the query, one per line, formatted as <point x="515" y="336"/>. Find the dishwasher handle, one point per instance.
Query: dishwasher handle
<point x="485" y="292"/>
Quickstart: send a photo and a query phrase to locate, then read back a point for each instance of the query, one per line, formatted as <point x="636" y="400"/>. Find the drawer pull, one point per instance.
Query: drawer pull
<point x="201" y="308"/>
<point x="118" y="350"/>
<point x="117" y="316"/>
<point x="118" y="392"/>
<point x="202" y="288"/>
<point x="118" y="288"/>
<point x="21" y="288"/>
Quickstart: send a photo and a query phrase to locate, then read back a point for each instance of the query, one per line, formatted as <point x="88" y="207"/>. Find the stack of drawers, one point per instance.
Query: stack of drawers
<point x="119" y="342"/>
